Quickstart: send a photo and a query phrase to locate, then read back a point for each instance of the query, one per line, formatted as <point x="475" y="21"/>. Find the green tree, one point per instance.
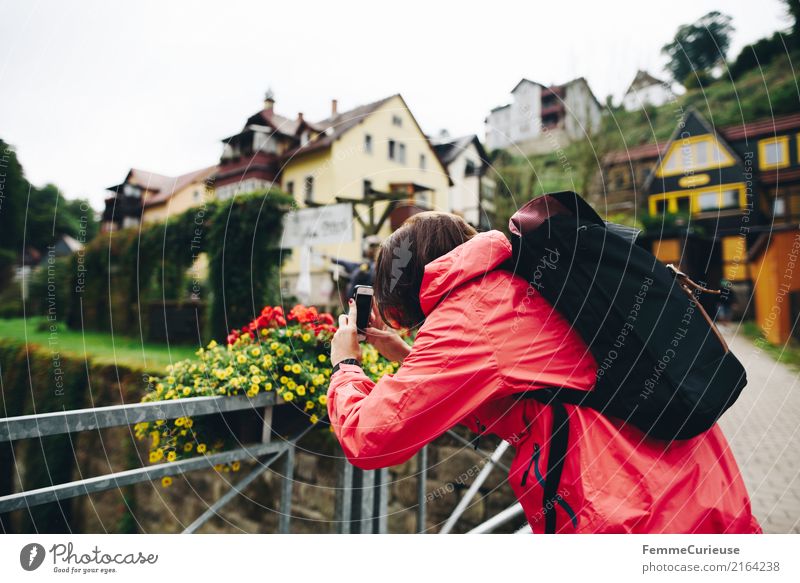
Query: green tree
<point x="700" y="46"/>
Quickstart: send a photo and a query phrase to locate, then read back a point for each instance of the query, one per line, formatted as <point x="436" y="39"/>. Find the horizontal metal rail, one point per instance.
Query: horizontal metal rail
<point x="43" y="424"/>
<point x="126" y="478"/>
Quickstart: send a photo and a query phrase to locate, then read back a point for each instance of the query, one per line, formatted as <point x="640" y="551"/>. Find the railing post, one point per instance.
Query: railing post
<point x="367" y="502"/>
<point x="422" y="489"/>
<point x="380" y="503"/>
<point x="285" y="517"/>
<point x="343" y="514"/>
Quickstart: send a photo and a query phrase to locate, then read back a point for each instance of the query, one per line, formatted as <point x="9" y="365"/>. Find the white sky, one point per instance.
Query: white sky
<point x="90" y="89"/>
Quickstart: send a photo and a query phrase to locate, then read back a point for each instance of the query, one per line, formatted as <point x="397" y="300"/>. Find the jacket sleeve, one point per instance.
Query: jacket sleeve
<point x="450" y="371"/>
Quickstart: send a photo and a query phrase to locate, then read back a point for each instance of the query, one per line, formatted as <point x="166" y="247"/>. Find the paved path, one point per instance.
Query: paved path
<point x="763" y="428"/>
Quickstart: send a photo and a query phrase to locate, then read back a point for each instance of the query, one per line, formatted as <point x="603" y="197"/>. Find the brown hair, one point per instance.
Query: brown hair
<point x="402" y="259"/>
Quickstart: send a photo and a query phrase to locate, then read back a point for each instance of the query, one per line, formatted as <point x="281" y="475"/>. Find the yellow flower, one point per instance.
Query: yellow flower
<point x="153" y="457"/>
<point x="264" y="331"/>
<point x="291" y="384"/>
<point x="309" y="405"/>
<point x="255" y="379"/>
<point x="268" y="387"/>
<point x="172" y="456"/>
<point x="186" y="390"/>
<point x="212" y="344"/>
<point x="301" y="390"/>
<point x="280" y="352"/>
<point x="241" y="359"/>
<point x="274" y="346"/>
<point x="254" y="369"/>
<point x="166" y="481"/>
<point x="306" y="337"/>
<point x="287" y="367"/>
<point x="313" y="419"/>
<point x="255" y="351"/>
<point x="322" y="358"/>
<point x="287" y="396"/>
<point x="235" y="466"/>
<point x="189" y="422"/>
<point x="201" y="448"/>
<point x="284" y="380"/>
<point x="179" y="421"/>
<point x="296" y="368"/>
<point x="159" y="387"/>
<point x="188" y="446"/>
<point x="323" y="399"/>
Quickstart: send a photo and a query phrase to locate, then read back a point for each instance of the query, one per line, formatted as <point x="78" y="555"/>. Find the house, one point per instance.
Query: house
<point x="186" y="191"/>
<point x="543" y="119"/>
<point x="644" y="91"/>
<point x="146" y="196"/>
<point x="728" y="204"/>
<point x="472" y="193"/>
<point x="374" y="156"/>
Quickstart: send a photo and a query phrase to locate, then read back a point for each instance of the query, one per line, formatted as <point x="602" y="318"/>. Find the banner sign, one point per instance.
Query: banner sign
<point x="324" y="225"/>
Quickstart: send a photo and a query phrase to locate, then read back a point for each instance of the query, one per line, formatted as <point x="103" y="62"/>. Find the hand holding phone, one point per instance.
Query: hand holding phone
<point x="364" y="295"/>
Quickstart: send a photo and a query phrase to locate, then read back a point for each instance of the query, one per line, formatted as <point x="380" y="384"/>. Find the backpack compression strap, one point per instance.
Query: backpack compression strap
<point x="559" y="441"/>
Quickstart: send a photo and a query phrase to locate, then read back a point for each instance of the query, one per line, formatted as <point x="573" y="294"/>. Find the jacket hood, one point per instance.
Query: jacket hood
<point x="481" y="254"/>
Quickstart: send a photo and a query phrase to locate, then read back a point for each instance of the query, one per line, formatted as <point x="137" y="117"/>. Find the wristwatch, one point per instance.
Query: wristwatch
<point x="345" y="361"/>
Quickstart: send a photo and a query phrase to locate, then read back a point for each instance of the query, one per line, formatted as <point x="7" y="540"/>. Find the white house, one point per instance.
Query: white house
<point x="472" y="193"/>
<point x="542" y="119"/>
<point x="646" y="90"/>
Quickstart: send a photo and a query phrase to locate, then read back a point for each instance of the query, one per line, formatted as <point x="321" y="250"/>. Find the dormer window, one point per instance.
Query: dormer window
<point x="132" y="190"/>
<point x="693" y="155"/>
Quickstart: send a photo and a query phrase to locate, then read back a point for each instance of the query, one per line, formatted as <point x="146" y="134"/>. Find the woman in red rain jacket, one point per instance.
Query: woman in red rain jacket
<point x="484" y="337"/>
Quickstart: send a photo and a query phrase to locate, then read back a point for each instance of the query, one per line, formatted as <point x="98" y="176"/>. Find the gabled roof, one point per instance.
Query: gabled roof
<point x="144" y="179"/>
<point x="643" y="79"/>
<point x="448" y="149"/>
<point x="179" y="183"/>
<point x="524" y="80"/>
<point x="336" y="126"/>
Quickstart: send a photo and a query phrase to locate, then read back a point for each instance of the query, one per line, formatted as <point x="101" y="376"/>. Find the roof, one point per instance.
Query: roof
<point x="524" y="80"/>
<point x="334" y="127"/>
<point x="643" y="79"/>
<point x="449" y="148"/>
<point x="145" y="179"/>
<point x="179" y="183"/>
<point x="750" y="130"/>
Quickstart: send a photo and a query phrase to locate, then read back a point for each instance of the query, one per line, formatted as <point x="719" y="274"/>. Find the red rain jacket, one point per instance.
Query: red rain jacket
<point x="489" y="336"/>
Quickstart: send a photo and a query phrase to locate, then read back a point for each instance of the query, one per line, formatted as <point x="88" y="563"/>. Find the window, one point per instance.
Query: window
<point x="661" y="206"/>
<point x="368" y="143"/>
<point x="397" y="120"/>
<point x="196" y="195"/>
<point x="391" y="150"/>
<point x="729" y="199"/>
<point x="401" y="153"/>
<point x="773" y="153"/>
<point x="309" y="189"/>
<point x="367" y="187"/>
<point x="469" y="168"/>
<point x="694" y="154"/>
<point x="290" y="187"/>
<point x="422" y="161"/>
<point x="707" y="201"/>
<point x="684" y="204"/>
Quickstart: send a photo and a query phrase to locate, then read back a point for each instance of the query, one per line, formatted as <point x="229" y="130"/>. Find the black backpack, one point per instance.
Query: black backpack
<point x="663" y="367"/>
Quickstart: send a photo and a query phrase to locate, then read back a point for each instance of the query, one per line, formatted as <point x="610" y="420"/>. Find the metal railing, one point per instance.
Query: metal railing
<point x="362" y="496"/>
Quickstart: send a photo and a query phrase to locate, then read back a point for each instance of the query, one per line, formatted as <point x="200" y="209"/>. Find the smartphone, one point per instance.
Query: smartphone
<point x="364" y="295"/>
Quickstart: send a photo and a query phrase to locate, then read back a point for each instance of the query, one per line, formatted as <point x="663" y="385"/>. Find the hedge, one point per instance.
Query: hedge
<point x="119" y="273"/>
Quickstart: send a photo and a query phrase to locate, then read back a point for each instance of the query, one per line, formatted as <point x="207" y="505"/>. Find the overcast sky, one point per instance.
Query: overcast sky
<point x="90" y="89"/>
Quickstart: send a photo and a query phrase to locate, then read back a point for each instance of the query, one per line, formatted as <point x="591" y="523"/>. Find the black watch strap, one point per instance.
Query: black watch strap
<point x="345" y="361"/>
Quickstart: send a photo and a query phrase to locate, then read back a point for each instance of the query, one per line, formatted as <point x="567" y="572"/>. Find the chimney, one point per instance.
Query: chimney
<point x="334" y="107"/>
<point x="269" y="100"/>
<point x="300" y="117"/>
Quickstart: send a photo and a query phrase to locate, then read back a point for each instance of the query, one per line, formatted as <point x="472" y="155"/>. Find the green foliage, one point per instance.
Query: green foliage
<point x="244" y="258"/>
<point x="32" y="217"/>
<point x="699" y="46"/>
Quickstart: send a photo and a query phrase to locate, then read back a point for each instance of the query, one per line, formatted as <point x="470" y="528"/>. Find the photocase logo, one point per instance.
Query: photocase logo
<point x="31" y="556"/>
<point x="402" y="255"/>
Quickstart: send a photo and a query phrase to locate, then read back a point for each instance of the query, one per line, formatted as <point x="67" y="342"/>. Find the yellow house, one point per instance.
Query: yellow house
<point x="376" y="149"/>
<point x="178" y="194"/>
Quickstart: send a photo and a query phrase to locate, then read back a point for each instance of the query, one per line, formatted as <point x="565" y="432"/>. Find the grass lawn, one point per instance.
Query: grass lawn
<point x="97" y="346"/>
<point x="788" y="353"/>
